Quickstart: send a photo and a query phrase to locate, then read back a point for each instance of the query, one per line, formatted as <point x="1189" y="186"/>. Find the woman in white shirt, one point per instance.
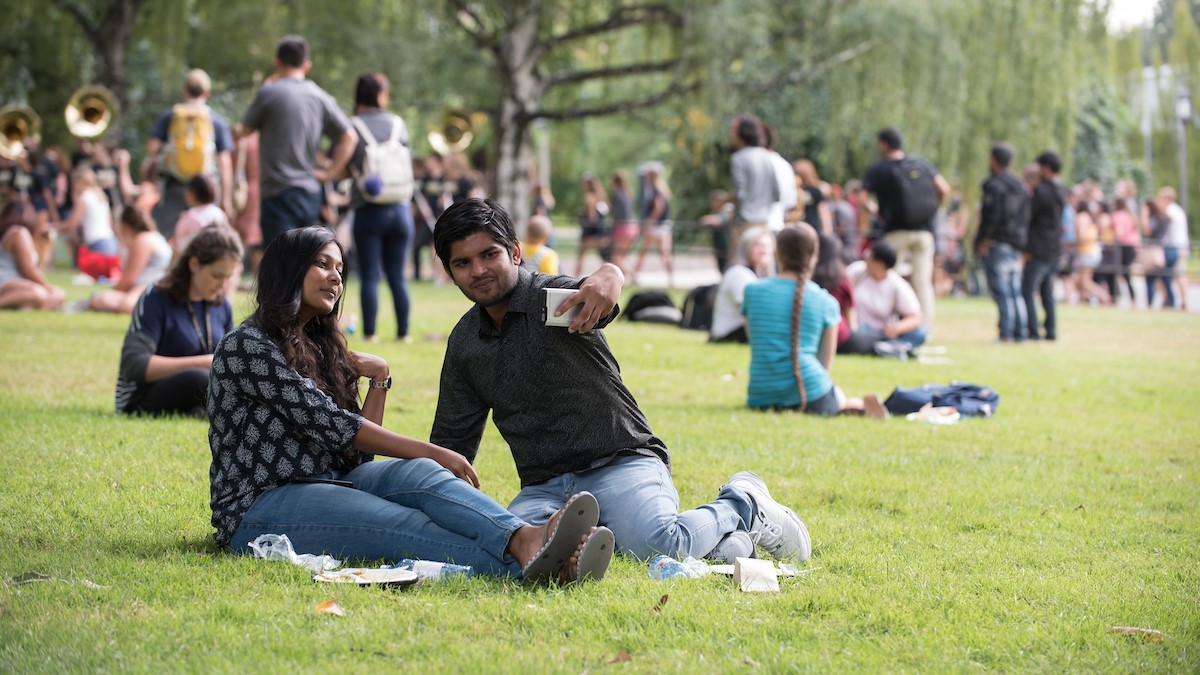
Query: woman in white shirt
<point x="90" y="226"/>
<point x="756" y="252"/>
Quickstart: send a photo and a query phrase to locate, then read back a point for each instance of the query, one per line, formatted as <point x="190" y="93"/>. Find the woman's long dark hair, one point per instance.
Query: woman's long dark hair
<point x="829" y="271"/>
<point x="796" y="246"/>
<point x="18" y="213"/>
<point x="317" y="350"/>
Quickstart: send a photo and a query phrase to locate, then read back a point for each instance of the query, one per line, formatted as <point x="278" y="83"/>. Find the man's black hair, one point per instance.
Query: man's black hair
<point x="891" y="137"/>
<point x="749" y="129"/>
<point x="1003" y="154"/>
<point x="292" y="51"/>
<point x="884" y="253"/>
<point x="467" y="217"/>
<point x="1050" y="160"/>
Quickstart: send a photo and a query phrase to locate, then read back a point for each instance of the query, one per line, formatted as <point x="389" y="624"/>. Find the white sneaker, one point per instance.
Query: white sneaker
<point x="736" y="544"/>
<point x="775" y="527"/>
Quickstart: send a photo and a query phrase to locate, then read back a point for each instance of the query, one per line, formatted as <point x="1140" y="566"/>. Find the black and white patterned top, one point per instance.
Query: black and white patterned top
<point x="267" y="426"/>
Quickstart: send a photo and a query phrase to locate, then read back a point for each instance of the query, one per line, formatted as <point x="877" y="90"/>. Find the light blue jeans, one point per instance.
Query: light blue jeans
<point x="638" y="502"/>
<point x="1003" y="266"/>
<point x="400" y="508"/>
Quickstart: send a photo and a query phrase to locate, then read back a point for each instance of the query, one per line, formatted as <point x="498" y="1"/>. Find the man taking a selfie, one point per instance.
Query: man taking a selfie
<point x="557" y="398"/>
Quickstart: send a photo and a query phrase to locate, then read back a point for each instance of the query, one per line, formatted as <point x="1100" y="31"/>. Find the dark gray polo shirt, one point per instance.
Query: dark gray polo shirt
<point x="556" y="397"/>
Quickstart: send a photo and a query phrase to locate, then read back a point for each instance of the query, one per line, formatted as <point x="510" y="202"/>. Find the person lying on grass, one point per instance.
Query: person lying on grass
<point x="556" y="396"/>
<point x="793" y="326"/>
<point x="174" y="328"/>
<point x="292" y="449"/>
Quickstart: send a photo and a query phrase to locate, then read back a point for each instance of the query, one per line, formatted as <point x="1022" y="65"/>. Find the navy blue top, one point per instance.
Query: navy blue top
<point x="162" y="326"/>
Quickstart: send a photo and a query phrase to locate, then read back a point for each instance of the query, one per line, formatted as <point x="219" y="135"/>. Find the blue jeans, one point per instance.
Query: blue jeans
<point x="638" y="502"/>
<point x="862" y="341"/>
<point x="400" y="508"/>
<point x="1003" y="267"/>
<point x="106" y="246"/>
<point x="381" y="235"/>
<point x="1167" y="275"/>
<point x="288" y="210"/>
<point x="1038" y="278"/>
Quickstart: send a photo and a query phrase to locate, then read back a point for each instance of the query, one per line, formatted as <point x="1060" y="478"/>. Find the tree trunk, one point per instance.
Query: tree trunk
<point x="516" y="62"/>
<point x="109" y="36"/>
<point x="111" y="46"/>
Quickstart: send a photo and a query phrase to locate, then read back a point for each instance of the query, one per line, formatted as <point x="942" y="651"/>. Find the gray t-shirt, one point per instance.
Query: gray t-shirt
<point x="754" y="183"/>
<point x="291" y="116"/>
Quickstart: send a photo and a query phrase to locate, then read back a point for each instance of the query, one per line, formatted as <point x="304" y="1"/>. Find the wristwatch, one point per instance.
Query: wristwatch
<point x="381" y="384"/>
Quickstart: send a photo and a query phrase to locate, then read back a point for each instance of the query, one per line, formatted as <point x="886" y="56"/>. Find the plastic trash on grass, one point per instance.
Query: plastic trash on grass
<point x="665" y="567"/>
<point x="279" y="547"/>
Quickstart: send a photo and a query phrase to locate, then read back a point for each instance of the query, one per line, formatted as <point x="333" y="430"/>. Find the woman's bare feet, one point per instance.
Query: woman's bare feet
<point x="872" y="407"/>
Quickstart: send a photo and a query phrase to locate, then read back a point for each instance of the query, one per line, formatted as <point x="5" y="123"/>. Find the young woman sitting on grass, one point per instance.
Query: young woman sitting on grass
<point x="148" y="260"/>
<point x="793" y="327"/>
<point x="22" y="285"/>
<point x="292" y="449"/>
<point x="175" y="326"/>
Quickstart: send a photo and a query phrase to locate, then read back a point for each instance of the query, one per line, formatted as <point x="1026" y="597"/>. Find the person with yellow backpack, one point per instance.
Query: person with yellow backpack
<point x="187" y="140"/>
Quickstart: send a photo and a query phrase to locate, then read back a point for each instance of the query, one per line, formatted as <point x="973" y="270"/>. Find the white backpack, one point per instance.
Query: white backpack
<point x="390" y="162"/>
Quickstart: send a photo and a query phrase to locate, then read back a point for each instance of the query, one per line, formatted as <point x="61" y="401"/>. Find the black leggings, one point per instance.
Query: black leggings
<point x="183" y="393"/>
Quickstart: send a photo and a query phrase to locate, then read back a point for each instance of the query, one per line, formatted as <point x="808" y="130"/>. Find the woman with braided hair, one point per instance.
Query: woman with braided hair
<point x="793" y="326"/>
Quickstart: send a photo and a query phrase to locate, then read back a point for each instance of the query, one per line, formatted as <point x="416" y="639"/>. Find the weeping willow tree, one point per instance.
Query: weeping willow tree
<point x="953" y="75"/>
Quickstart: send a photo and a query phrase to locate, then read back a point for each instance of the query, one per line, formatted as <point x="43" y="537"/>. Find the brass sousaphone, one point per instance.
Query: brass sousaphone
<point x="91" y="111"/>
<point x="18" y="123"/>
<point x="455" y="131"/>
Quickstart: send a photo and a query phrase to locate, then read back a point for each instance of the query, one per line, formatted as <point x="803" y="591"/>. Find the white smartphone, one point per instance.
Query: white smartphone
<point x="551" y="299"/>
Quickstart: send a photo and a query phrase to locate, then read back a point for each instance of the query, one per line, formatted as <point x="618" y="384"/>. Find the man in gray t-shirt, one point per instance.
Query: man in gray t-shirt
<point x="755" y="186"/>
<point x="292" y="113"/>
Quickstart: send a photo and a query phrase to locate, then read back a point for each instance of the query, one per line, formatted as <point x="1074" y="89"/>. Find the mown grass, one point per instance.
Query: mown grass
<point x="1008" y="544"/>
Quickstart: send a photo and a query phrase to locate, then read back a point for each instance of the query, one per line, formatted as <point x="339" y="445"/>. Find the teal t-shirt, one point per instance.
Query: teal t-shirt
<point x="768" y="311"/>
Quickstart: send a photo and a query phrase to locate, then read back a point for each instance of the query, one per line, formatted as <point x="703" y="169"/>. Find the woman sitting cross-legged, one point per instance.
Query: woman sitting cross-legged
<point x="22" y="284"/>
<point x="292" y="450"/>
<point x="174" y="328"/>
<point x="793" y="326"/>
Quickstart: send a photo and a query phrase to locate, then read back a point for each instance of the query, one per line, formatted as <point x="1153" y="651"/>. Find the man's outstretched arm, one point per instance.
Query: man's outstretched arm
<point x="597" y="297"/>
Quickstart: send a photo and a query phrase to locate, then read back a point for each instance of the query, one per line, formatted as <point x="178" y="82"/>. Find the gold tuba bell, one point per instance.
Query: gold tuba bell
<point x="91" y="111"/>
<point x="18" y="123"/>
<point x="454" y="133"/>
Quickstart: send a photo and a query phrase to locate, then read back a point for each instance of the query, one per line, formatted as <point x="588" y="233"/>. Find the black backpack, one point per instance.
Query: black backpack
<point x="652" y="307"/>
<point x="698" y="308"/>
<point x="916" y="193"/>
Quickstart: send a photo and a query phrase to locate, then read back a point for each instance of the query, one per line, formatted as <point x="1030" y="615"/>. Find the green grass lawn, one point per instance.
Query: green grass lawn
<point x="1009" y="544"/>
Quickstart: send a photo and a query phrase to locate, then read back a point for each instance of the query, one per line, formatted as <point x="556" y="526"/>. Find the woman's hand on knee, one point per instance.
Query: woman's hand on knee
<point x="455" y="464"/>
